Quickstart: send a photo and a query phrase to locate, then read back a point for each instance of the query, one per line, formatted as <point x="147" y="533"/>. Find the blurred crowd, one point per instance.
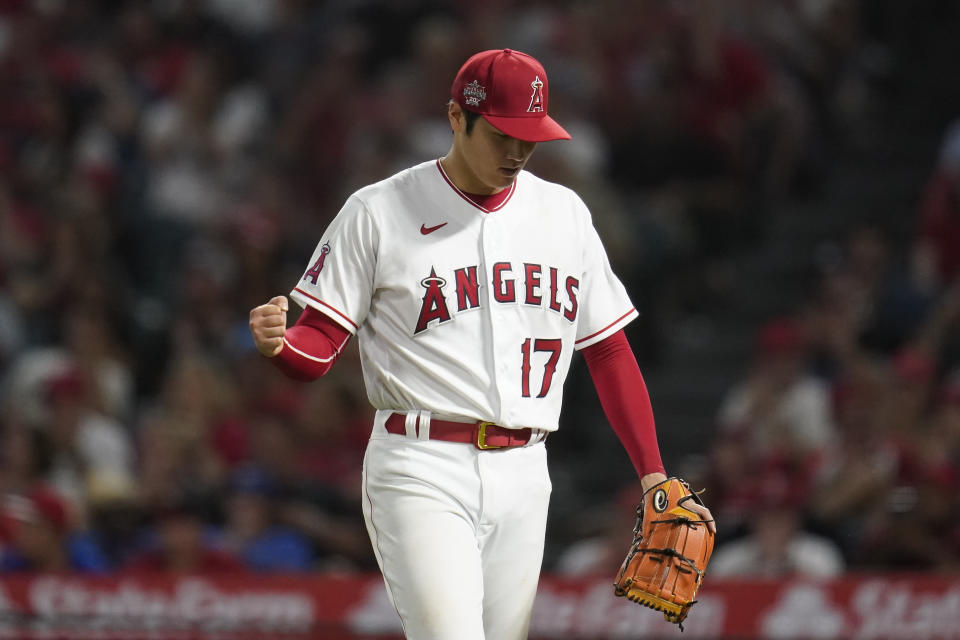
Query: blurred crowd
<point x="850" y="414"/>
<point x="839" y="449"/>
<point x="167" y="165"/>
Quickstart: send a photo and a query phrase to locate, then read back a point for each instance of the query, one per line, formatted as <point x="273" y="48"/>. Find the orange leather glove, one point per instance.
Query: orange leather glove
<point x="670" y="550"/>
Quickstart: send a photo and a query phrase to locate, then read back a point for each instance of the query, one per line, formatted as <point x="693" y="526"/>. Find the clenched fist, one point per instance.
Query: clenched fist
<point x="268" y="324"/>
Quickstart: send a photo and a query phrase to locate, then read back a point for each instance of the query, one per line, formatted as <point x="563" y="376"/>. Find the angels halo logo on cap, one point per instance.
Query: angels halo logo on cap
<point x="510" y="90"/>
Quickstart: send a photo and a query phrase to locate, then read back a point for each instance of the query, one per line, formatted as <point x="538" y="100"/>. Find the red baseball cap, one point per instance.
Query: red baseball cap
<point x="509" y="89"/>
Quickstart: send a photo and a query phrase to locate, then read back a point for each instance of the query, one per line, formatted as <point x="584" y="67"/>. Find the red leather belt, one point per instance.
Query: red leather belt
<point x="482" y="435"/>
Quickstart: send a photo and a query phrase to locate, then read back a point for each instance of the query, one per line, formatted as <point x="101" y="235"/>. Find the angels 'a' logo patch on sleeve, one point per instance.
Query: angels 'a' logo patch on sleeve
<point x="314" y="272"/>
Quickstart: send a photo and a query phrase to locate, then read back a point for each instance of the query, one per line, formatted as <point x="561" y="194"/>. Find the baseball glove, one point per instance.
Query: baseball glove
<point x="670" y="550"/>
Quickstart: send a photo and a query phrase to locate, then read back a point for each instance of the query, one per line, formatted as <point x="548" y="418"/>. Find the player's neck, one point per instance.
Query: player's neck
<point x="459" y="172"/>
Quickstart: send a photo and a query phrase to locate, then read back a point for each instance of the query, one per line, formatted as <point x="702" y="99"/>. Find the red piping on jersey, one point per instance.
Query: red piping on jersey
<point x="625" y="400"/>
<point x="462" y="194"/>
<point x="596" y="333"/>
<point x="319" y="301"/>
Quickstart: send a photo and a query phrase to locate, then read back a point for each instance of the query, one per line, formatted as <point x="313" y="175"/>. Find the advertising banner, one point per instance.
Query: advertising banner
<point x="890" y="606"/>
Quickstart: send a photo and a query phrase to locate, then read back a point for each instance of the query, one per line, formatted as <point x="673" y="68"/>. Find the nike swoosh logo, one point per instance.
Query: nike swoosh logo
<point x="424" y="229"/>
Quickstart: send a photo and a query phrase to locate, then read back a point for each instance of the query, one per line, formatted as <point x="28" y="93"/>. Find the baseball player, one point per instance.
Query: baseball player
<point x="469" y="283"/>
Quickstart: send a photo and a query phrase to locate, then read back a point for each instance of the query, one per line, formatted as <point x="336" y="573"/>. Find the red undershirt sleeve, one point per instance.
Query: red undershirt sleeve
<point x="311" y="346"/>
<point x="626" y="403"/>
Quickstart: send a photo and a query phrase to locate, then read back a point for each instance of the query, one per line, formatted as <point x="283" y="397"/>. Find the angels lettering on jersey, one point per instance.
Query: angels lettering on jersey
<point x="538" y="285"/>
<point x="528" y="283"/>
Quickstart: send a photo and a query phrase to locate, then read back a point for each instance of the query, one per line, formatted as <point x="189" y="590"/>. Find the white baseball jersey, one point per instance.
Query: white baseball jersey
<point x="463" y="311"/>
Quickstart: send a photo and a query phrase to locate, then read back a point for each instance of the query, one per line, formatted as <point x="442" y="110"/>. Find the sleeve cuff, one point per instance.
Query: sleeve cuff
<point x="305" y="299"/>
<point x="607" y="331"/>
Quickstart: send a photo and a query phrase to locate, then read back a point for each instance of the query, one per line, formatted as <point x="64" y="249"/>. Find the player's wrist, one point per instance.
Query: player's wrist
<point x="270" y="350"/>
<point x="652" y="480"/>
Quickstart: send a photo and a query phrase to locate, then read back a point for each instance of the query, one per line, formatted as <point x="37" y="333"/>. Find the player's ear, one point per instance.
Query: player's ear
<point x="455" y="116"/>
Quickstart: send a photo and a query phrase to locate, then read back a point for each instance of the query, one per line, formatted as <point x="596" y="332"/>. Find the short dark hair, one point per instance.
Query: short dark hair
<point x="470" y="118"/>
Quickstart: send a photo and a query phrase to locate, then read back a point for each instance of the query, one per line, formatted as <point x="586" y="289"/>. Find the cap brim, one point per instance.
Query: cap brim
<point x="529" y="129"/>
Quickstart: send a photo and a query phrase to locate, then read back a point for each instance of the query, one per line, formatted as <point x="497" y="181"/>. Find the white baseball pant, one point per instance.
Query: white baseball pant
<point x="458" y="532"/>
